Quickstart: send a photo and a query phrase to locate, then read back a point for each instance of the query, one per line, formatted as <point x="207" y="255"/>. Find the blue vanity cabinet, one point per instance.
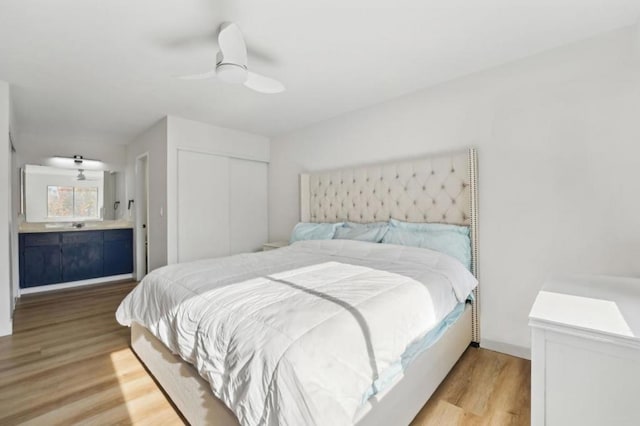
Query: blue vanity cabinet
<point x="118" y="252"/>
<point x="58" y="257"/>
<point x="82" y="255"/>
<point x="41" y="252"/>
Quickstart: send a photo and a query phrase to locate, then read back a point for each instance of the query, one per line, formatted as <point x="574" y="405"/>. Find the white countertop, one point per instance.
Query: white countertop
<point x="28" y="227"/>
<point x="602" y="305"/>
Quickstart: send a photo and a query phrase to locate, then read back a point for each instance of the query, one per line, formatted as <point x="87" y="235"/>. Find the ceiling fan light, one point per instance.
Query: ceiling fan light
<point x="231" y="73"/>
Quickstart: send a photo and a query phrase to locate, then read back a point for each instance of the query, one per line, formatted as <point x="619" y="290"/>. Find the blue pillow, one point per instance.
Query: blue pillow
<point x="314" y="231"/>
<point x="370" y="232"/>
<point x="452" y="240"/>
<point x="428" y="227"/>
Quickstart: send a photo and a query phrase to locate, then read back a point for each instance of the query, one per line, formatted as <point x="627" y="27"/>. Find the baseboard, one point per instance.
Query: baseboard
<point x="50" y="287"/>
<point x="506" y="348"/>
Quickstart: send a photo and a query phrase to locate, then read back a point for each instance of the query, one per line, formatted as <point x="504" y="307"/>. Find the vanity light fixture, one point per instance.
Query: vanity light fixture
<point x="76" y="162"/>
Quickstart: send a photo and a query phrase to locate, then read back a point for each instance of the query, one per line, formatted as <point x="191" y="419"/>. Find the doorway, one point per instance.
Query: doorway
<point x="142" y="216"/>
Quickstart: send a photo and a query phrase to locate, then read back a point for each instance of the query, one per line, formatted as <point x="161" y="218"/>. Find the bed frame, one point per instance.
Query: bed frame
<point x="438" y="188"/>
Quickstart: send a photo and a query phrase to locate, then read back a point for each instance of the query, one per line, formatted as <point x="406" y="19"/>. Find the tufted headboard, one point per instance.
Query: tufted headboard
<point x="437" y="188"/>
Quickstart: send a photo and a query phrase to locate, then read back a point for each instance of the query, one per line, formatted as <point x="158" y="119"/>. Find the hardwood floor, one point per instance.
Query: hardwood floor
<point x="69" y="362"/>
<point x="483" y="388"/>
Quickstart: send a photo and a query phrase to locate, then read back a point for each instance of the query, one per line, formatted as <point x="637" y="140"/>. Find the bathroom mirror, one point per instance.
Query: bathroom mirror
<point x="54" y="194"/>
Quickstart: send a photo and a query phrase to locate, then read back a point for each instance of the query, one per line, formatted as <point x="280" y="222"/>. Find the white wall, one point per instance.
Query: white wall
<point x="203" y="138"/>
<point x="559" y="156"/>
<point x="6" y="288"/>
<point x="38" y="148"/>
<point x="154" y="143"/>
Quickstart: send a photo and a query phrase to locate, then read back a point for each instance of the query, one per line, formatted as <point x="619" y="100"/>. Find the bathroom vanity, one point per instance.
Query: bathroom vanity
<point x="69" y="234"/>
<point x="63" y="255"/>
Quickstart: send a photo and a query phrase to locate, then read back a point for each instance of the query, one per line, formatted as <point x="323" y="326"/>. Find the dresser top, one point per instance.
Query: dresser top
<point x="601" y="305"/>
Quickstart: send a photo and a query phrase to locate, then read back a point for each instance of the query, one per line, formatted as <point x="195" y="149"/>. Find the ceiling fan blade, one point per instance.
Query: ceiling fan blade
<point x="203" y="76"/>
<point x="232" y="45"/>
<point x="263" y="84"/>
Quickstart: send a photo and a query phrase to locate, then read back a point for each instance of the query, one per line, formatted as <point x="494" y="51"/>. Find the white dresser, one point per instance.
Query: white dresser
<point x="585" y="352"/>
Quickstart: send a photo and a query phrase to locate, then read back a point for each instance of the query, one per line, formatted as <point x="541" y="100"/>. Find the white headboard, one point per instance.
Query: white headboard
<point x="436" y="188"/>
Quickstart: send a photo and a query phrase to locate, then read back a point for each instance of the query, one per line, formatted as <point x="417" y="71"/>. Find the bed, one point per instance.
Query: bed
<point x="312" y="330"/>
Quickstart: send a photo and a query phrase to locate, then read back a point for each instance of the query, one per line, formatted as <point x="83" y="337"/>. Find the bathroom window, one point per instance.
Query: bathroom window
<point x="72" y="202"/>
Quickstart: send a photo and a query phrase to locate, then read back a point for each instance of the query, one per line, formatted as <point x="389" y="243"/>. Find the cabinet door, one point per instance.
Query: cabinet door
<point x="41" y="265"/>
<point x="40" y="259"/>
<point x="82" y="255"/>
<point x="118" y="252"/>
<point x="203" y="206"/>
<point x="248" y="187"/>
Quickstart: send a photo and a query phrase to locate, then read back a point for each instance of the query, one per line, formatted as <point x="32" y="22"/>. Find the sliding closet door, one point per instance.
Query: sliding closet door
<point x="248" y="226"/>
<point x="203" y="206"/>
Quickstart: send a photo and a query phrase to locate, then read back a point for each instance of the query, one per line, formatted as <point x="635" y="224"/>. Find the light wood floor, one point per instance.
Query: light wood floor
<point x="69" y="361"/>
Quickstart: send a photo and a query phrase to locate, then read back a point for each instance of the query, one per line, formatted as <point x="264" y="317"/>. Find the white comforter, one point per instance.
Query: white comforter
<point x="297" y="336"/>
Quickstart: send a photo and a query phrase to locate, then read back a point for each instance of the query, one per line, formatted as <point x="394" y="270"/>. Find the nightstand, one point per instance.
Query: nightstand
<point x="274" y="245"/>
<point x="585" y="352"/>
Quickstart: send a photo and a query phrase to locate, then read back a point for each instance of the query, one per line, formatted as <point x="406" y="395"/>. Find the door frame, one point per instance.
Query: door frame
<point x="141" y="183"/>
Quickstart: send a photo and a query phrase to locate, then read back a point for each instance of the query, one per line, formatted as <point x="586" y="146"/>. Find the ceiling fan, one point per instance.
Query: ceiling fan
<point x="231" y="63"/>
<point x="82" y="177"/>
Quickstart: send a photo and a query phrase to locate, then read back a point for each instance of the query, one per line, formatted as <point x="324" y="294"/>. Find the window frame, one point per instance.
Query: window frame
<point x="73" y="216"/>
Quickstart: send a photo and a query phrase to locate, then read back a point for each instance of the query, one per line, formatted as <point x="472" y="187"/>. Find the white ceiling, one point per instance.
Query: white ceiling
<point x="106" y="69"/>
